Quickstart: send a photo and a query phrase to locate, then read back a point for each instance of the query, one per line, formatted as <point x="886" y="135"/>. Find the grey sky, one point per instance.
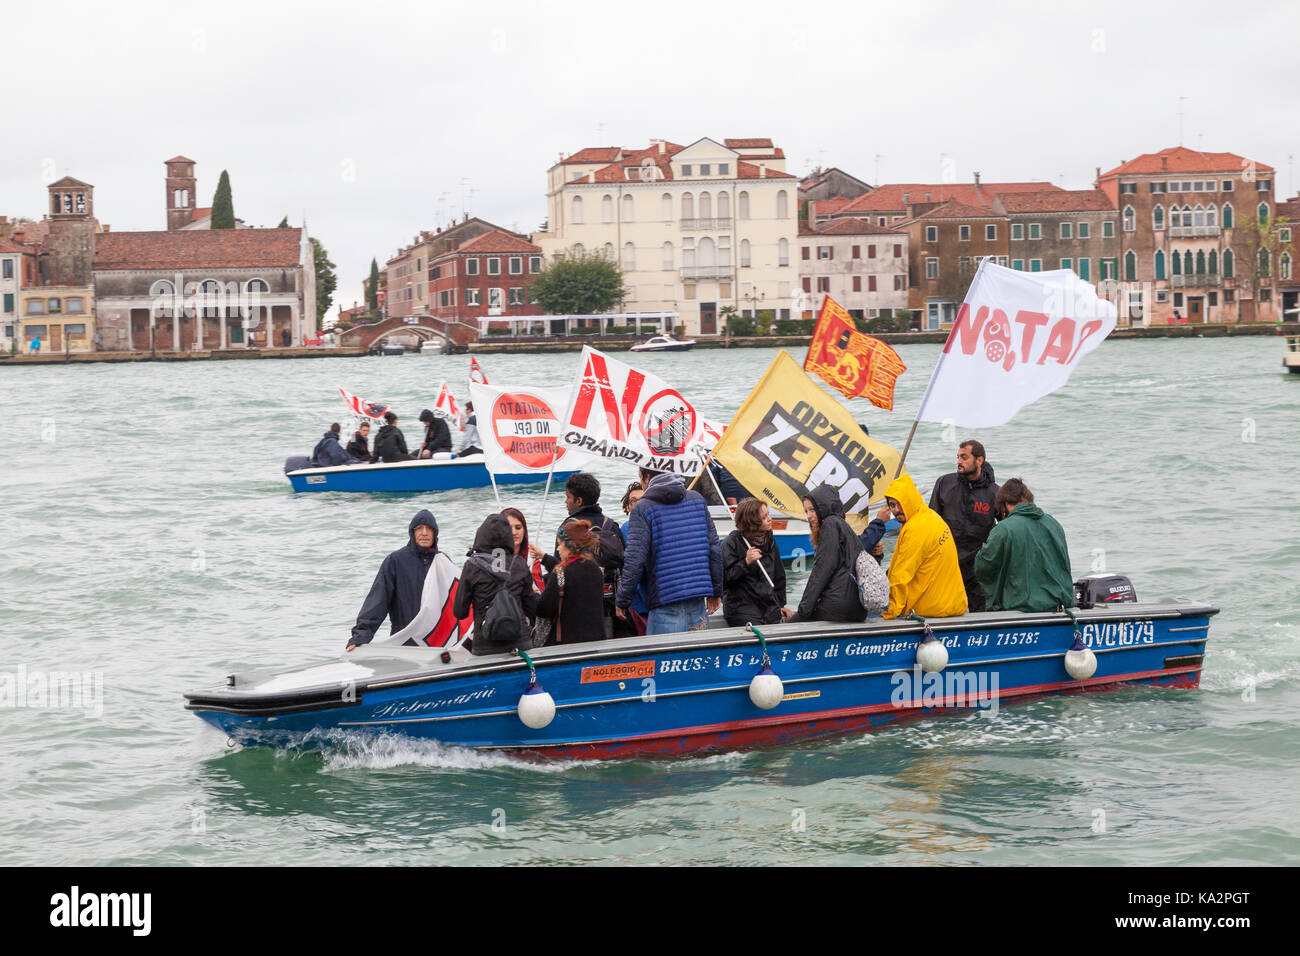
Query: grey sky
<point x="367" y="116"/>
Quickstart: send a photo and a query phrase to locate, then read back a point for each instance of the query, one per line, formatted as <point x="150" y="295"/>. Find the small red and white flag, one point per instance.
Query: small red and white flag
<point x="361" y="408"/>
<point x="447" y="402"/>
<point x="476" y="373"/>
<point x="1017" y="337"/>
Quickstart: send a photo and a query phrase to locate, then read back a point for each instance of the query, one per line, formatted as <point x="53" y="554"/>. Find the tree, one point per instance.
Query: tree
<point x="954" y="283"/>
<point x="284" y="223"/>
<point x="578" y="285"/>
<point x="326" y="281"/>
<point x="372" y="288"/>
<point x="1260" y="249"/>
<point x="223" y="206"/>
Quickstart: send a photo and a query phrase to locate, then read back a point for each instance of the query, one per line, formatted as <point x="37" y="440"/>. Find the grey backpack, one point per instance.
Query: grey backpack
<point x="873" y="585"/>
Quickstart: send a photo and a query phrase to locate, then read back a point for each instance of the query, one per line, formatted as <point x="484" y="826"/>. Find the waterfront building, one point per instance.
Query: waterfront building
<point x="1191" y="228"/>
<point x="859" y="264"/>
<point x="831" y="183"/>
<point x="1062" y="229"/>
<point x="890" y="204"/>
<point x="695" y="229"/>
<point x="58" y="307"/>
<point x="1288" y="275"/>
<point x="17" y="268"/>
<point x="484" y="278"/>
<point x="946" y="244"/>
<point x="408" y="275"/>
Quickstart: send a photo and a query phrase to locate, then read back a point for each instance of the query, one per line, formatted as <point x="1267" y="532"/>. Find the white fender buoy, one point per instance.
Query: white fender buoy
<point x="536" y="707"/>
<point x="765" y="690"/>
<point x="931" y="654"/>
<point x="1080" y="661"/>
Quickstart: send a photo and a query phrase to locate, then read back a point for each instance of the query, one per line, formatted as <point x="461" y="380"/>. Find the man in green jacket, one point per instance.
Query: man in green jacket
<point x="1024" y="565"/>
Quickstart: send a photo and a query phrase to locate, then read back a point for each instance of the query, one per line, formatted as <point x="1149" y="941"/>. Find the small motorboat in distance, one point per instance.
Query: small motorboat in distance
<point x="1291" y="360"/>
<point x="442" y="472"/>
<point x="664" y="343"/>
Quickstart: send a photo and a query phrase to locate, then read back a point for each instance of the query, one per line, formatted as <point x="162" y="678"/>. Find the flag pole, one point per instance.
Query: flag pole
<point x="759" y="562"/>
<point x="549" y="475"/>
<point x="493" y="476"/>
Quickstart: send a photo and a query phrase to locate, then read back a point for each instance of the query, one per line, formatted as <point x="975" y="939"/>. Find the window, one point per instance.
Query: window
<point x="1067" y="263"/>
<point x="856" y="252"/>
<point x="1128" y="188"/>
<point x="8" y="267"/>
<point x="1158" y="217"/>
<point x="782" y="205"/>
<point x="1067" y="230"/>
<point x="34" y="330"/>
<point x="579" y="250"/>
<point x="724" y="206"/>
<point x="1018" y="264"/>
<point x="1130" y="219"/>
<point x="1212" y="299"/>
<point x="56" y="304"/>
<point x="629" y="257"/>
<point x="1227" y="215"/>
<point x="607" y="250"/>
<point x="871" y="250"/>
<point x="1108" y="229"/>
<point x="472" y="297"/>
<point x="963" y="233"/>
<point x="990" y="232"/>
<point x="706" y="169"/>
<point x="1178" y="300"/>
<point x="1156" y="187"/>
<point x="1035" y="230"/>
<point x="444" y="299"/>
<point x="857" y="283"/>
<point x="666" y="207"/>
<point x="435" y="273"/>
<point x="688" y="290"/>
<point x="783" y="252"/>
<point x="534" y="264"/>
<point x="823" y="283"/>
<point x="9" y="302"/>
<point x="1227" y="185"/>
<point x="871" y="283"/>
<point x="900" y="283"/>
<point x="1085" y="270"/>
<point x="1160" y="264"/>
<point x="742" y="205"/>
<point x="686" y="169"/>
<point x="494" y="298"/>
<point x="1109" y="269"/>
<point x="35" y="307"/>
<point x="1265" y="295"/>
<point x="1176" y="263"/>
<point x="744" y="253"/>
<point x="162" y="287"/>
<point x="807" y="283"/>
<point x="74" y="306"/>
<point x="964" y="265"/>
<point x="932" y="267"/>
<point x="688" y="205"/>
<point x="1162" y="296"/>
<point x="706" y="206"/>
<point x="1131" y="267"/>
<point x="471" y="265"/>
<point x="898" y="250"/>
<point x="1017" y="231"/>
<point x="1263" y="269"/>
<point x="629" y="209"/>
<point x="516" y="265"/>
<point x="825" y="252"/>
<point x="724" y="169"/>
<point x="806" y="252"/>
<point x="1261" y="186"/>
<point x="1035" y="265"/>
<point x="1263" y="213"/>
<point x="607" y="208"/>
<point x="1285" y="235"/>
<point x="1200" y="262"/>
<point x="515" y="296"/>
<point x="494" y="266"/>
<point x="576" y="215"/>
<point x="931" y="233"/>
<point x="666" y="256"/>
<point x="1214" y="262"/>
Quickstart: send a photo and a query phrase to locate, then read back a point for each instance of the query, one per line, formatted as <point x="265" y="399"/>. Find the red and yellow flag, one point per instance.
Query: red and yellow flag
<point x="854" y="363"/>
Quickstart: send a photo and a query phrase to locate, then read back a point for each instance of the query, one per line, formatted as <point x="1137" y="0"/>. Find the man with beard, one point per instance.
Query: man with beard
<point x="964" y="500"/>
<point x="399" y="585"/>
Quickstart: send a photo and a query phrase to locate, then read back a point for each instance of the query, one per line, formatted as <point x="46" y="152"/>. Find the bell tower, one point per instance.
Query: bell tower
<point x="180" y="192"/>
<point x="69" y="250"/>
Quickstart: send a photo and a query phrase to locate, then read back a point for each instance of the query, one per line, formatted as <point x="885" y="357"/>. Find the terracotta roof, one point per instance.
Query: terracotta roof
<point x="829" y="207"/>
<point x="497" y="241"/>
<point x="889" y="198"/>
<point x="1065" y="200"/>
<point x="198" y="249"/>
<point x="956" y="210"/>
<point x="69" y="181"/>
<point x="775" y="154"/>
<point x="594" y="154"/>
<point x="1180" y="159"/>
<point x="747" y="143"/>
<point x="856" y="227"/>
<point x="200" y="212"/>
<point x="750" y="171"/>
<point x="15" y="248"/>
<point x="179" y="159"/>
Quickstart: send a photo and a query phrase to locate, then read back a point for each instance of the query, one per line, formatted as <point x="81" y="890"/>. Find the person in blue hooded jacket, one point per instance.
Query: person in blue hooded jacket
<point x="329" y="451"/>
<point x="673" y="546"/>
<point x="399" y="585"/>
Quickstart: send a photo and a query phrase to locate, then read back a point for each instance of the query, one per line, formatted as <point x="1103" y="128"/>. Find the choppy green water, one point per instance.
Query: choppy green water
<point x="150" y="538"/>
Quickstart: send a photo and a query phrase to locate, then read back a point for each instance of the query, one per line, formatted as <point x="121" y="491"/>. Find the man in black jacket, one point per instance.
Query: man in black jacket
<point x="390" y="443"/>
<point x="964" y="500"/>
<point x="437" y="436"/>
<point x="399" y="585"/>
<point x="581" y="498"/>
<point x="359" y="447"/>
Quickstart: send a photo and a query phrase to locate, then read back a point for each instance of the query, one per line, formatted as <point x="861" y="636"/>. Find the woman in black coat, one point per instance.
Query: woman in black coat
<point x="832" y="591"/>
<point x="748" y="595"/>
<point x="574" y="594"/>
<point x="492" y="565"/>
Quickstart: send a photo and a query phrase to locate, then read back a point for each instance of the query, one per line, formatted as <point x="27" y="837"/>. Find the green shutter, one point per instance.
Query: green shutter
<point x="9" y="301"/>
<point x="1085" y="270"/>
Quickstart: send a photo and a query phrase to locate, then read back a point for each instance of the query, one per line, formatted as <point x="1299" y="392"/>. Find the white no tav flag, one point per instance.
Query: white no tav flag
<point x="1018" y="337"/>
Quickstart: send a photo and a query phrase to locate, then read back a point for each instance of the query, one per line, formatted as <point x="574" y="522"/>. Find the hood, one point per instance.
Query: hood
<point x="426" y="415"/>
<point x="423" y="516"/>
<point x="826" y="502"/>
<point x="331" y="435"/>
<point x="1027" y="510"/>
<point x="666" y="489"/>
<point x="591" y="513"/>
<point x="494" y="535"/>
<point x="903" y="490"/>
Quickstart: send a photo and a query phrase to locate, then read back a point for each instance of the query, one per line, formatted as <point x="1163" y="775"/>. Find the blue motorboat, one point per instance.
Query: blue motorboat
<point x="428" y="474"/>
<point x="725" y="688"/>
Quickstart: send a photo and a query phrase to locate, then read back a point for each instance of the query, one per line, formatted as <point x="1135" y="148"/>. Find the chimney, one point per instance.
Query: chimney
<point x="977" y="180"/>
<point x="762" y="170"/>
<point x="663" y="148"/>
<point x="1164" y="163"/>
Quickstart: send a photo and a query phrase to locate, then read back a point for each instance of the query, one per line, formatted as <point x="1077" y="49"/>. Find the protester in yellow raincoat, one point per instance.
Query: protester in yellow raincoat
<point x="923" y="574"/>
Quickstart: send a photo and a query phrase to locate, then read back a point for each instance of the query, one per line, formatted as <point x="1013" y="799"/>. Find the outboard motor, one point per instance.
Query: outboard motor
<point x="296" y="463"/>
<point x="1103" y="589"/>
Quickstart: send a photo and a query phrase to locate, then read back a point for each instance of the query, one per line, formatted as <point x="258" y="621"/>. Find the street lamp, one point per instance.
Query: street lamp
<point x="754" y="302"/>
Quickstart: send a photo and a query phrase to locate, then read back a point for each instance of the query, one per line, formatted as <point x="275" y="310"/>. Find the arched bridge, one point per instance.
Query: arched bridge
<point x="455" y="336"/>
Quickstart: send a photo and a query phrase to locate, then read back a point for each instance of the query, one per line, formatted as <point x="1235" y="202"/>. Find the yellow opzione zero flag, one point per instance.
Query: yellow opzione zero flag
<point x="790" y="437"/>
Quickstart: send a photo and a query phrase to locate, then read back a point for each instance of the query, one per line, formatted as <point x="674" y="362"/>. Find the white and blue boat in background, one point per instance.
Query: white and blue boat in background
<point x="792" y="535"/>
<point x="440" y="473"/>
<point x="719" y="689"/>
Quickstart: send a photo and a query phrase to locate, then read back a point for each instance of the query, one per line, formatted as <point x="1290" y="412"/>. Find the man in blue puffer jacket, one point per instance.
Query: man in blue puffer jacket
<point x="673" y="546"/>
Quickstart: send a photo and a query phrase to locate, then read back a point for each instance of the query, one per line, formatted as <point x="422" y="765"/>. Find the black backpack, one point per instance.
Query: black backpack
<point x="505" y="624"/>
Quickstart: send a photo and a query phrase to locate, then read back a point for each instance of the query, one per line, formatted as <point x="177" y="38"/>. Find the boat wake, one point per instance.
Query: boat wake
<point x="348" y="750"/>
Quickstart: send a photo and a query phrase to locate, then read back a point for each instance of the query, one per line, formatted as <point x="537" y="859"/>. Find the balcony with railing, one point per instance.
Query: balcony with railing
<point x="1205" y="278"/>
<point x="1194" y="232"/>
<point x="710" y="224"/>
<point x="707" y="272"/>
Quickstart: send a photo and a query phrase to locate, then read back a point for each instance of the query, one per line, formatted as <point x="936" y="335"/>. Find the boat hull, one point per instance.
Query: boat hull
<point x="411" y="476"/>
<point x="688" y="693"/>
